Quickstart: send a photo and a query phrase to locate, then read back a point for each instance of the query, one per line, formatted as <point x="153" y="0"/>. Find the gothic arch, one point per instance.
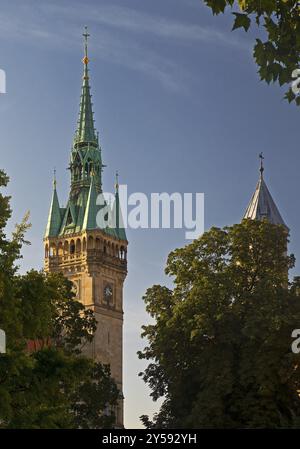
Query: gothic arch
<point x="98" y="243"/>
<point x="66" y="248"/>
<point x="123" y="253"/>
<point x="78" y="246"/>
<point x="77" y="168"/>
<point x="72" y="247"/>
<point x="53" y="250"/>
<point x="88" y="167"/>
<point x="60" y="249"/>
<point x="90" y="242"/>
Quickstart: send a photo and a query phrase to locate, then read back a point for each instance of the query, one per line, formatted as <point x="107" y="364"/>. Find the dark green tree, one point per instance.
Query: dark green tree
<point x="278" y="55"/>
<point x="45" y="380"/>
<point x="220" y="345"/>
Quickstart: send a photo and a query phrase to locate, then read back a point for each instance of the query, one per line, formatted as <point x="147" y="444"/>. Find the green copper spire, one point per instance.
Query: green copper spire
<point x="54" y="218"/>
<point x="117" y="213"/>
<point x="80" y="213"/>
<point x="86" y="152"/>
<point x="89" y="221"/>
<point x="85" y="133"/>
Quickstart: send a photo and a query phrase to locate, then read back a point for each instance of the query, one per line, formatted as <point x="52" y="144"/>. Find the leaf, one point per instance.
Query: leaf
<point x="290" y="96"/>
<point x="241" y="21"/>
<point x="217" y="6"/>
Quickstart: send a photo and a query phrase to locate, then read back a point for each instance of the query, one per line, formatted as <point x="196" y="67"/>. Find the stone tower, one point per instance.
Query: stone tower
<point x="94" y="258"/>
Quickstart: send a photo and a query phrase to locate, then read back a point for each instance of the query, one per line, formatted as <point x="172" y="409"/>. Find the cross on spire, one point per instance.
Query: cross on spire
<point x="86" y="36"/>
<point x="117" y="181"/>
<point x="261" y="157"/>
<point x="54" y="178"/>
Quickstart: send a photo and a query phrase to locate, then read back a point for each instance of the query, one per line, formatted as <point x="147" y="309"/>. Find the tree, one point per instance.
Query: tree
<point x="220" y="345"/>
<point x="45" y="380"/>
<point x="279" y="55"/>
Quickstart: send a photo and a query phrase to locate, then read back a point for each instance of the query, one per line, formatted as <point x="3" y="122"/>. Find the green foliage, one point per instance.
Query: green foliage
<point x="279" y="54"/>
<point x="220" y="345"/>
<point x="241" y="21"/>
<point x="54" y="386"/>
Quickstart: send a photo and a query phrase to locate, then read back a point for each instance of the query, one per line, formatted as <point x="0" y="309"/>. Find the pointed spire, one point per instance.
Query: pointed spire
<point x="89" y="221"/>
<point x="54" y="217"/>
<point x="117" y="213"/>
<point x="86" y="132"/>
<point x="262" y="205"/>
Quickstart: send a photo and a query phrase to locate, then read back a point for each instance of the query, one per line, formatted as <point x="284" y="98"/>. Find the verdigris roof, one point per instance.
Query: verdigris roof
<point x="80" y="213"/>
<point x="54" y="217"/>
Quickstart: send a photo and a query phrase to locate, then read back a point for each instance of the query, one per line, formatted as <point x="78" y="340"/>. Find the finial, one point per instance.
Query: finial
<point x="54" y="178"/>
<point x="86" y="36"/>
<point x="117" y="181"/>
<point x="261" y="157"/>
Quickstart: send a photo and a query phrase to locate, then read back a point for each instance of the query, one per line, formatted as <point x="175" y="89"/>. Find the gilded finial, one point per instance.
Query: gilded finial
<point x="261" y="157"/>
<point x="86" y="35"/>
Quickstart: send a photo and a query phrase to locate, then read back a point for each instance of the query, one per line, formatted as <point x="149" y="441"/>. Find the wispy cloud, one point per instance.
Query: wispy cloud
<point x="121" y="36"/>
<point x="123" y="18"/>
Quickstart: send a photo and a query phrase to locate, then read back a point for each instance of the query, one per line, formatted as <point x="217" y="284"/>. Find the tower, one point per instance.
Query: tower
<point x="262" y="205"/>
<point x="94" y="258"/>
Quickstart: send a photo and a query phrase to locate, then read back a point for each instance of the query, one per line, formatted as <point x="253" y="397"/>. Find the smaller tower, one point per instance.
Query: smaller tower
<point x="262" y="205"/>
<point x="54" y="217"/>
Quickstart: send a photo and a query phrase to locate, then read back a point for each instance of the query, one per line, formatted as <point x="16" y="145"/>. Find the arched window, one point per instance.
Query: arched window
<point x="53" y="250"/>
<point x="66" y="248"/>
<point x="72" y="247"/>
<point x="77" y="168"/>
<point x="60" y="249"/>
<point x="69" y="220"/>
<point x="90" y="242"/>
<point x="78" y="246"/>
<point x="122" y="251"/>
<point x="88" y="168"/>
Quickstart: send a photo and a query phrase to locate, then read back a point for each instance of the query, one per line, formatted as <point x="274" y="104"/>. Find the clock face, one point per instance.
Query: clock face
<point x="108" y="293"/>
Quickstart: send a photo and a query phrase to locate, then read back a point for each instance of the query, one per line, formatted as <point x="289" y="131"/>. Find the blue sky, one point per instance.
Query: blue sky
<point x="179" y="107"/>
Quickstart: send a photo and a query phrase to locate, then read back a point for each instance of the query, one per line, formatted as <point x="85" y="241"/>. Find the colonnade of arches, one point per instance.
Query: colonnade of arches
<point x="82" y="170"/>
<point x="78" y="245"/>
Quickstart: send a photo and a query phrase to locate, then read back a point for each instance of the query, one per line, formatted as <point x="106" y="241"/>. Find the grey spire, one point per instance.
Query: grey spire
<point x="262" y="205"/>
